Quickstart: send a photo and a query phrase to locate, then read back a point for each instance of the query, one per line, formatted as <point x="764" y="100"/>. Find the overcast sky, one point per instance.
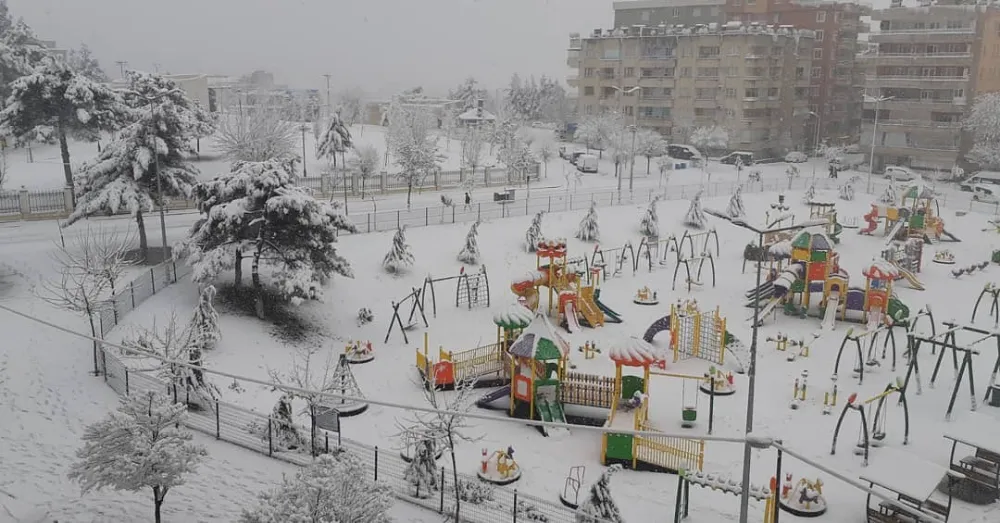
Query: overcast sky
<point x="380" y="45"/>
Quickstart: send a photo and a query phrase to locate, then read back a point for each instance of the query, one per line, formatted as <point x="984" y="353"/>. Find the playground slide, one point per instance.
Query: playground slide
<point x="951" y="237"/>
<point x="572" y="322"/>
<point x="894" y="231"/>
<point x="590" y="311"/>
<point x="527" y="289"/>
<point x="767" y="308"/>
<point x="830" y="317"/>
<point x="485" y="401"/>
<point x="611" y="316"/>
<point x="872" y="219"/>
<point x="910" y="278"/>
<point x="551" y="411"/>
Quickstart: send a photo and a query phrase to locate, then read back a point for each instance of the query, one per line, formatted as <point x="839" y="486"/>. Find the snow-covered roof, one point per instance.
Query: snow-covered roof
<point x="540" y="341"/>
<point x="477" y="114"/>
<point x="782" y="248"/>
<point x="881" y="269"/>
<point x="634" y="352"/>
<point x="516" y="316"/>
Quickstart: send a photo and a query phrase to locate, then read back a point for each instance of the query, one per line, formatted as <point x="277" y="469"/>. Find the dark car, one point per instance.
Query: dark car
<point x="730" y="159"/>
<point x="682" y="152"/>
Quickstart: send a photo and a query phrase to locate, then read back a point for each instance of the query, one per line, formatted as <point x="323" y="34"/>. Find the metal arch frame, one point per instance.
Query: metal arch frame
<point x="860" y="407"/>
<point x="687" y="267"/>
<point x="949" y="341"/>
<point x="856" y="338"/>
<point x="465" y="278"/>
<point x="690" y="240"/>
<point x="889" y="389"/>
<point x="994" y="305"/>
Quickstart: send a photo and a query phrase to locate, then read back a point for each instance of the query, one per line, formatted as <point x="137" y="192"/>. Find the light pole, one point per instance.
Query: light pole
<point x="816" y="138"/>
<point x="622" y="91"/>
<point x="871" y="155"/>
<point x="752" y="371"/>
<point x="328" y="106"/>
<point x="159" y="179"/>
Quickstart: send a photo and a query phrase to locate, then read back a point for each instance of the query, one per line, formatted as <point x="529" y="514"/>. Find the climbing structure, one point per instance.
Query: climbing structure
<point x="697" y="334"/>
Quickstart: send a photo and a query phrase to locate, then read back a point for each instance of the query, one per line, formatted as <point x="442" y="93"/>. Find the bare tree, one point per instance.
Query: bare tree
<point x="310" y="372"/>
<point x="365" y="163"/>
<point x="445" y="426"/>
<point x="545" y="153"/>
<point x="256" y="134"/>
<point x="350" y="105"/>
<point x="109" y="249"/>
<point x="472" y="149"/>
<point x="3" y="167"/>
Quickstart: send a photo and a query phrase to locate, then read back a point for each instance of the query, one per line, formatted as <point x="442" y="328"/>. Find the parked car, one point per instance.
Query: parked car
<point x="682" y="152"/>
<point x="586" y="163"/>
<point x="565" y="151"/>
<point x="986" y="178"/>
<point x="899" y="174"/>
<point x="730" y="159"/>
<point x="982" y="193"/>
<point x="796" y="157"/>
<point x="575" y="155"/>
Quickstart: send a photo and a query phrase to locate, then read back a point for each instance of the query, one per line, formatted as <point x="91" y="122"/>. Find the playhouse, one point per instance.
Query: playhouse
<point x="916" y="216"/>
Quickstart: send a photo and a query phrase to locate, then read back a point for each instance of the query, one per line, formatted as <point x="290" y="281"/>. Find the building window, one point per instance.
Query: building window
<point x="800" y="73"/>
<point x="819" y="35"/>
<point x="738" y="3"/>
<point x="645" y="16"/>
<point x="588" y="72"/>
<point x="628" y="110"/>
<point x="685" y="72"/>
<point x="817" y="54"/>
<point x="708" y="72"/>
<point x="705" y="93"/>
<point x="820" y="16"/>
<point x="751" y="2"/>
<point x="696" y="12"/>
<point x="646" y="72"/>
<point x="708" y="52"/>
<point x="589" y="109"/>
<point x="588" y="90"/>
<point x="703" y="112"/>
<point x="773" y="92"/>
<point x="677" y="12"/>
<point x="715" y="12"/>
<point x="630" y="71"/>
<point x="836" y="17"/>
<point x="730" y="92"/>
<point x="751" y="92"/>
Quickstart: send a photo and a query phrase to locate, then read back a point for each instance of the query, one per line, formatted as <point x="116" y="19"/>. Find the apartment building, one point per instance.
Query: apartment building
<point x="669" y="12"/>
<point x="752" y="81"/>
<point x="920" y="77"/>
<point x="836" y="78"/>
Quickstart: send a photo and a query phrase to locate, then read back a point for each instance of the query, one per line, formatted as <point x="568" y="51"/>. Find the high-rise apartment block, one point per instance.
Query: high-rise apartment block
<point x="751" y="80"/>
<point x="922" y="74"/>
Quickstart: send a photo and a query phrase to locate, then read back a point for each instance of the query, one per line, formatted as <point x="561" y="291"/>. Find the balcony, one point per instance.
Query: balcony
<point x="899" y="36"/>
<point x="931" y="82"/>
<point x="910" y="104"/>
<point x="923" y="124"/>
<point x="914" y="150"/>
<point x="928" y="59"/>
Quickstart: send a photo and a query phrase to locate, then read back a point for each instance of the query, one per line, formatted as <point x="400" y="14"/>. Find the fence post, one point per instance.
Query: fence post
<point x="479" y="211"/>
<point x="126" y="381"/>
<point x="452" y="214"/>
<point x="218" y="426"/>
<point x="397" y="218"/>
<point x="104" y="364"/>
<point x="131" y="290"/>
<point x="376" y="462"/>
<point x="23" y="202"/>
<point x="174" y="264"/>
<point x="174" y="388"/>
<point x="570" y="203"/>
<point x="68" y="199"/>
<point x="515" y="505"/>
<point x="152" y="279"/>
<point x="711" y="405"/>
<point x="270" y="438"/>
<point x="100" y="320"/>
<point x="427" y="216"/>
<point x="326" y="441"/>
<point x="550" y="204"/>
<point x="442" y="491"/>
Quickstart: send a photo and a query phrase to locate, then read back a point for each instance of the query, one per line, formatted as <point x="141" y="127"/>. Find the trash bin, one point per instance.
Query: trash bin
<point x="995" y="395"/>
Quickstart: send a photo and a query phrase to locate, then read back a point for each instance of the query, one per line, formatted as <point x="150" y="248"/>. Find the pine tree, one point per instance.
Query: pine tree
<point x="128" y="175"/>
<point x="470" y="252"/>
<point x="736" y="209"/>
<point x="54" y="97"/>
<point x="810" y="193"/>
<point x="600" y="505"/>
<point x="695" y="216"/>
<point x="650" y="224"/>
<point x="534" y="233"/>
<point x="888" y="196"/>
<point x="20" y="51"/>
<point x="422" y="472"/>
<point x="399" y="258"/>
<point x="332" y="489"/>
<point x="205" y="323"/>
<point x="284" y="434"/>
<point x="414" y="148"/>
<point x="847" y="191"/>
<point x="83" y="62"/>
<point x="141" y="445"/>
<point x="335" y="139"/>
<point x="589" y="230"/>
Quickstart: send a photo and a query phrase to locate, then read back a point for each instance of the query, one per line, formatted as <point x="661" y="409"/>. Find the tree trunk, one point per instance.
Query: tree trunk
<point x="363" y="180"/>
<point x="454" y="474"/>
<point x="648" y="159"/>
<point x="409" y="191"/>
<point x="238" y="267"/>
<point x="255" y="274"/>
<point x="157" y="504"/>
<point x="64" y="152"/>
<point x="143" y="245"/>
<point x="93" y="334"/>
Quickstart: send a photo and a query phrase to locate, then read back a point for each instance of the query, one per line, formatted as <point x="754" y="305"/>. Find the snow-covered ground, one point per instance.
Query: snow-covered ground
<point x="47" y="381"/>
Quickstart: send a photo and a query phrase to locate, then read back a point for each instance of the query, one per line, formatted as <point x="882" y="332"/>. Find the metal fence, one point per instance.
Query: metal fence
<point x="131" y="295"/>
<point x="10" y="203"/>
<point x="46" y="201"/>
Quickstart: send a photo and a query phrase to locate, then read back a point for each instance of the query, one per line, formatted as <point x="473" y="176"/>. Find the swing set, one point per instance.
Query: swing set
<point x="868" y="439"/>
<point x="867" y="358"/>
<point x="689" y="409"/>
<point x="471" y="290"/>
<point x="700" y="257"/>
<point x="993" y="291"/>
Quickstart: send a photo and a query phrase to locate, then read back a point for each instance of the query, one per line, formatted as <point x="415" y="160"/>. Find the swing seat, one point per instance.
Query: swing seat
<point x="873" y="363"/>
<point x="859" y="450"/>
<point x="878" y="436"/>
<point x="689" y="414"/>
<point x="694" y="282"/>
<point x="410" y="326"/>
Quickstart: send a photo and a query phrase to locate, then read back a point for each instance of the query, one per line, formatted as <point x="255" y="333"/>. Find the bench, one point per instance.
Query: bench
<point x="886" y="513"/>
<point x="936" y="508"/>
<point x="979" y="469"/>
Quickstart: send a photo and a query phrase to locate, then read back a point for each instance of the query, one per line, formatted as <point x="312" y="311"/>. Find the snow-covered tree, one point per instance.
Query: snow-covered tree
<point x="472" y="149"/>
<point x="332" y="489"/>
<point x="791" y="172"/>
<point x="595" y="132"/>
<point x="399" y="258"/>
<point x="257" y="134"/>
<point x="205" y="332"/>
<point x="128" y="175"/>
<point x="67" y="104"/>
<point x="847" y="191"/>
<point x="545" y="151"/>
<point x="170" y="343"/>
<point x="736" y="209"/>
<point x="810" y="193"/>
<point x="470" y="251"/>
<point x="446" y="425"/>
<point x="649" y="226"/>
<point x="85" y="63"/>
<point x="590" y="230"/>
<point x="695" y="216"/>
<point x="888" y="196"/>
<point x="620" y="144"/>
<point x="256" y="210"/>
<point x="650" y="144"/>
<point x="20" y="51"/>
<point x="517" y="157"/>
<point x="350" y="105"/>
<point x="707" y="139"/>
<point x="422" y="471"/>
<point x="666" y="166"/>
<point x="534" y="233"/>
<point x="984" y="122"/>
<point x="365" y="163"/>
<point x="142" y="445"/>
<point x="284" y="435"/>
<point x="336" y="139"/>
<point x="468" y="93"/>
<point x="600" y="505"/>
<point x="413" y="147"/>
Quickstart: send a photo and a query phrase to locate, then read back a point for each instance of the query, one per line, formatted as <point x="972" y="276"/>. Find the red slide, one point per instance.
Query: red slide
<point x="872" y="219"/>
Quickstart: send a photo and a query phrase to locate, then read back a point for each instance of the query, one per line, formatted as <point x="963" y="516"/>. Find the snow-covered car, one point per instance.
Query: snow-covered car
<point x="682" y="152"/>
<point x="796" y="157"/>
<point x="587" y="163"/>
<point x="986" y="178"/>
<point x="985" y="194"/>
<point x="899" y="174"/>
<point x="730" y="159"/>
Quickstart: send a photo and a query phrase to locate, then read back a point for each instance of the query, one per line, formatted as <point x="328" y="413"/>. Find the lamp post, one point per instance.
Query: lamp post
<point x="303" y="129"/>
<point x="871" y="155"/>
<point x="635" y="120"/>
<point x="816" y="138"/>
<point x="752" y="371"/>
<point x="156" y="168"/>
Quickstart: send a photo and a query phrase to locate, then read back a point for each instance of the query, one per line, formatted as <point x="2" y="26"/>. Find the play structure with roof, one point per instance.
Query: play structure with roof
<point x="917" y="215"/>
<point x="813" y="271"/>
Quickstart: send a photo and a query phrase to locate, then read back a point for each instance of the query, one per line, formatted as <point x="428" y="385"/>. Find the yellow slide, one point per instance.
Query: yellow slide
<point x="591" y="312"/>
<point x="910" y="278"/>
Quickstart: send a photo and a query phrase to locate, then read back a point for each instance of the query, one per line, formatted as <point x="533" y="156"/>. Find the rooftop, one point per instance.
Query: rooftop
<point x="729" y="28"/>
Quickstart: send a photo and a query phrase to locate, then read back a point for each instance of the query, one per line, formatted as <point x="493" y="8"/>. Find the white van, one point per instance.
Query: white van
<point x="981" y="178"/>
<point x="899" y="174"/>
<point x="985" y="194"/>
<point x="586" y="163"/>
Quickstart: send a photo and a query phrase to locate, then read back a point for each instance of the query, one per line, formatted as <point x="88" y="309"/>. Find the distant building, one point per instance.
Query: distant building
<point x="476" y="116"/>
<point x="376" y="112"/>
<point x="52" y="49"/>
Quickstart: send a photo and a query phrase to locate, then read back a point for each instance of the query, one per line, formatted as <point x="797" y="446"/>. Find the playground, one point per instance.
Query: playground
<point x="636" y="334"/>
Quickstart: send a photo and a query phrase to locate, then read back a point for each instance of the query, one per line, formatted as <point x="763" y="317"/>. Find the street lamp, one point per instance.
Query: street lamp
<point x="871" y="156"/>
<point x="635" y="121"/>
<point x="816" y="139"/>
<point x="752" y="371"/>
<point x="156" y="167"/>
